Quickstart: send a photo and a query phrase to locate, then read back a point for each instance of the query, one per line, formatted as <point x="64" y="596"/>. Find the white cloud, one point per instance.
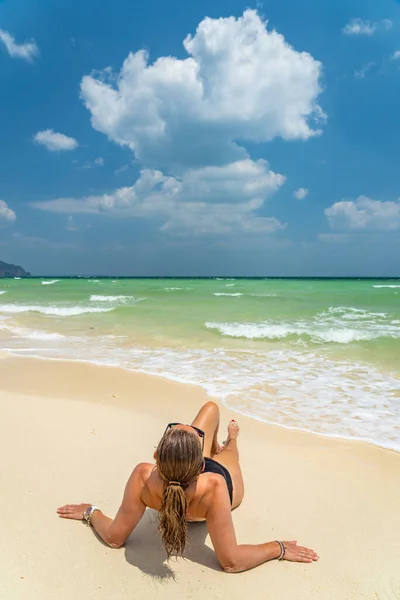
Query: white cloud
<point x="301" y="193"/>
<point x="98" y="162"/>
<point x="55" y="141"/>
<point x="241" y="81"/>
<point x="6" y="214"/>
<point x="364" y="214"/>
<point x="121" y="169"/>
<point x="364" y="70"/>
<point x="73" y="226"/>
<point x="186" y="121"/>
<point x="27" y="51"/>
<point x="206" y="200"/>
<point x="360" y="27"/>
<point x="396" y="55"/>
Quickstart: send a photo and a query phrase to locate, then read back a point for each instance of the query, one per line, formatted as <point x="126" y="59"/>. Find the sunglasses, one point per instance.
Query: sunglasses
<point x="199" y="432"/>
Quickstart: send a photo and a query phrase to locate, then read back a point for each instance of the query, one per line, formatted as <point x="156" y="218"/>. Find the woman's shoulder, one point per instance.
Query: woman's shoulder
<point x="141" y="473"/>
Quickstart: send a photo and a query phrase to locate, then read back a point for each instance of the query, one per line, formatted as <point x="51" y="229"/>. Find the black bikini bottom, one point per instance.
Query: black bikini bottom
<point x="212" y="466"/>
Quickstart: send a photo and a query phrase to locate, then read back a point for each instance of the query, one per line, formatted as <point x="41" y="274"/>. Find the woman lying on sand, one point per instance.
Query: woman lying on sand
<point x="193" y="480"/>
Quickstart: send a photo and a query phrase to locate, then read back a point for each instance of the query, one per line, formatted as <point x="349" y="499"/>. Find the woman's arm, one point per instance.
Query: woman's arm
<point x="115" y="532"/>
<point x="234" y="557"/>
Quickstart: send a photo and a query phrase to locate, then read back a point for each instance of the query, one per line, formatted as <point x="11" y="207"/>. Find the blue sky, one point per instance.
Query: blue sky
<point x="202" y="139"/>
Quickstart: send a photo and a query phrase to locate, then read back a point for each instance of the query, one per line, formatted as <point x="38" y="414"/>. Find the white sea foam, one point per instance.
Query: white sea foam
<point x="386" y="286"/>
<point x="99" y="298"/>
<point x="263" y="295"/>
<point x="230" y="284"/>
<point x="50" y="282"/>
<point x="292" y="388"/>
<point x="17" y="277"/>
<point x="227" y="294"/>
<point x="341" y="325"/>
<point x="2" y="292"/>
<point x="175" y="289"/>
<point x="30" y="334"/>
<point x="61" y="311"/>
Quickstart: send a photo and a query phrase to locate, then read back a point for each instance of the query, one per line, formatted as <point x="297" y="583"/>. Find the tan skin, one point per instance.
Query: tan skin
<point x="208" y="500"/>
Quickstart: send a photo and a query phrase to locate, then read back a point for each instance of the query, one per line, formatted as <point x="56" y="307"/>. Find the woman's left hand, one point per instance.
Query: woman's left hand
<point x="73" y="511"/>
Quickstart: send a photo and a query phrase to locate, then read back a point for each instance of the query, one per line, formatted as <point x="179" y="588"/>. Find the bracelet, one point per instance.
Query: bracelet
<point x="88" y="514"/>
<point x="283" y="549"/>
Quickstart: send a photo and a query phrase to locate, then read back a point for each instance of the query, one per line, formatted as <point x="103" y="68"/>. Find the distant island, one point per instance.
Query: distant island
<point x="7" y="270"/>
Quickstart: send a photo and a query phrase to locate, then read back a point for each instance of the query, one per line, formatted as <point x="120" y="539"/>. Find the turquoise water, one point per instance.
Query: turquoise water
<point x="317" y="355"/>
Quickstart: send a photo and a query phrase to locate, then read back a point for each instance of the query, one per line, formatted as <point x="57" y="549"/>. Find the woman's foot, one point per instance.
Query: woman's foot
<point x="233" y="432"/>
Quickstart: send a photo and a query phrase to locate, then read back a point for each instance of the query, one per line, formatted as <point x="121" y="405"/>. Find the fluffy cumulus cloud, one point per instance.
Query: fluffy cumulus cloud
<point x="187" y="122"/>
<point x="27" y="51"/>
<point x="364" y="214"/>
<point x="360" y="27"/>
<point x="55" y="141"/>
<point x="6" y="214"/>
<point x="239" y="82"/>
<point x="301" y="193"/>
<point x="206" y="200"/>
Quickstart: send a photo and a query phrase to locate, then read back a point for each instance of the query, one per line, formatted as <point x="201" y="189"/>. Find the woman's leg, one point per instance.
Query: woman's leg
<point x="229" y="457"/>
<point x="207" y="419"/>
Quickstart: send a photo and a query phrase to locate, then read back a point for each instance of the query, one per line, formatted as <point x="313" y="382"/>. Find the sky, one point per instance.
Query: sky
<point x="206" y="138"/>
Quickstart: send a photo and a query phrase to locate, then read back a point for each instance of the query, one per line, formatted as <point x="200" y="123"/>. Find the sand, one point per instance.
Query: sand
<point x="72" y="432"/>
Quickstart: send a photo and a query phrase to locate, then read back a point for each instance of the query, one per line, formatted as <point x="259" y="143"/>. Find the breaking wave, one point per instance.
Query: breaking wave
<point x="99" y="298"/>
<point x="60" y="311"/>
<point x="227" y="294"/>
<point x="341" y="325"/>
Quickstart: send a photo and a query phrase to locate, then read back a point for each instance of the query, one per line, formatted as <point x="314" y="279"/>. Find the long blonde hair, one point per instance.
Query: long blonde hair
<point x="179" y="459"/>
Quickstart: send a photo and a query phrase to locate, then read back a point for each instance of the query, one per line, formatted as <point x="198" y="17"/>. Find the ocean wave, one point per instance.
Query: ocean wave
<point x="99" y="298"/>
<point x="31" y="334"/>
<point x="227" y="294"/>
<point x="175" y="289"/>
<point x="50" y="282"/>
<point x="340" y="325"/>
<point x="60" y="311"/>
<point x="264" y="295"/>
<point x="292" y="388"/>
<point x="386" y="286"/>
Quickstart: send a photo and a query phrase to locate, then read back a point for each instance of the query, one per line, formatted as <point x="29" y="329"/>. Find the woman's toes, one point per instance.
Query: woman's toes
<point x="233" y="429"/>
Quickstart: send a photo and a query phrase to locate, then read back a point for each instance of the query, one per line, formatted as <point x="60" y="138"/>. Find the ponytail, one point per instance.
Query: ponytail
<point x="180" y="461"/>
<point x="172" y="519"/>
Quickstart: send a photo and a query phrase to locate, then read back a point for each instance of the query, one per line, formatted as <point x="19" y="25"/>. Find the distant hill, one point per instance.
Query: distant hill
<point x="7" y="270"/>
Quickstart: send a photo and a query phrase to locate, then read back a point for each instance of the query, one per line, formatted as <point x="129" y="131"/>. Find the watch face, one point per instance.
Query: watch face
<point x="87" y="512"/>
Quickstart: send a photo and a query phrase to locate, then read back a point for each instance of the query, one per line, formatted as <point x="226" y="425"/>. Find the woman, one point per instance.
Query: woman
<point x="193" y="480"/>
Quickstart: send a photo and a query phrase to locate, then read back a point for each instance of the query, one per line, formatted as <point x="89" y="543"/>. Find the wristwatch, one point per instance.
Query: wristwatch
<point x="87" y="515"/>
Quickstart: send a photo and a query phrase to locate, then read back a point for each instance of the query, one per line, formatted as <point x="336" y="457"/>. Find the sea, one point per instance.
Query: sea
<point x="318" y="355"/>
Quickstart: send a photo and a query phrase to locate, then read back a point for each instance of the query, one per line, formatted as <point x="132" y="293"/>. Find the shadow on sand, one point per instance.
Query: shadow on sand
<point x="145" y="551"/>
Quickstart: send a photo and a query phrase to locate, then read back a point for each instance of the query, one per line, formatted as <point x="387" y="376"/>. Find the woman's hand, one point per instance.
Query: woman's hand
<point x="295" y="553"/>
<point x="73" y="511"/>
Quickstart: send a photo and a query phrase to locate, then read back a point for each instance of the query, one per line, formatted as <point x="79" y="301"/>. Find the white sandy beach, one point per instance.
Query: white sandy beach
<point x="72" y="432"/>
